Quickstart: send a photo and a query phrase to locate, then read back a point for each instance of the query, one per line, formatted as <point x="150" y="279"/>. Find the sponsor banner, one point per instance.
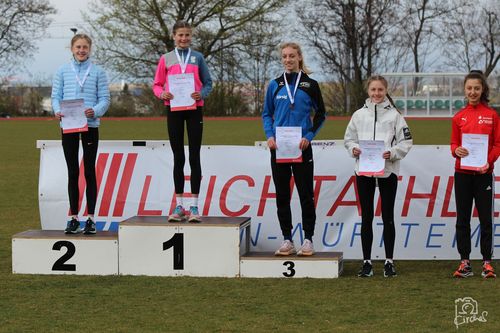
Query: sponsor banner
<point x="135" y="178"/>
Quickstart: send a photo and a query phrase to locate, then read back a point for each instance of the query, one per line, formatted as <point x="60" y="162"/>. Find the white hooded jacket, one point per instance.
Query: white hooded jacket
<point x="380" y="122"/>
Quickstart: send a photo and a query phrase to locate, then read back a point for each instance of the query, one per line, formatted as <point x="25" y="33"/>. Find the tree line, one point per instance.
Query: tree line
<point x="349" y="40"/>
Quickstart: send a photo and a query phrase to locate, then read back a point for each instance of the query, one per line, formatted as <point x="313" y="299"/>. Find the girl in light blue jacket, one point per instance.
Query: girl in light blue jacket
<point x="80" y="79"/>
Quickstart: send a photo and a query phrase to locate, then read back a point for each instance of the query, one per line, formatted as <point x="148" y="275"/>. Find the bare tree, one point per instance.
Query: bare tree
<point x="22" y="24"/>
<point x="258" y="58"/>
<point x="133" y="34"/>
<point x="417" y="30"/>
<point x="472" y="36"/>
<point x="349" y="36"/>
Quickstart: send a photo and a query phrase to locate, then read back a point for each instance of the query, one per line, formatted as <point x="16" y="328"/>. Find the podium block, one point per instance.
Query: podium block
<point x="150" y="245"/>
<point x="267" y="265"/>
<point x="53" y="252"/>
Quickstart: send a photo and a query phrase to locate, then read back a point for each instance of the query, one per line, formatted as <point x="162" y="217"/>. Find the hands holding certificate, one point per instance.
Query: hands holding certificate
<point x="463" y="152"/>
<point x="356" y="152"/>
<point x="271" y="143"/>
<point x="288" y="144"/>
<point x="89" y="113"/>
<point x="181" y="94"/>
<point x="372" y="156"/>
<point x="168" y="95"/>
<point x="474" y="152"/>
<point x="73" y="115"/>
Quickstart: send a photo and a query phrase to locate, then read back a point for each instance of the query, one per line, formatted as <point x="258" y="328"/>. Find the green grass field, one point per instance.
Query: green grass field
<point x="420" y="299"/>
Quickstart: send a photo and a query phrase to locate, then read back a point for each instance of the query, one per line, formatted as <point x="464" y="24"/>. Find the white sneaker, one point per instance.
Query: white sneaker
<point x="307" y="249"/>
<point x="287" y="248"/>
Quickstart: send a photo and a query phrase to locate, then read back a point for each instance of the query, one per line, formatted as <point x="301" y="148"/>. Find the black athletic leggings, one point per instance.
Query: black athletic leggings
<point x="303" y="174"/>
<point x="194" y="124"/>
<point x="366" y="190"/>
<point x="90" y="143"/>
<point x="477" y="188"/>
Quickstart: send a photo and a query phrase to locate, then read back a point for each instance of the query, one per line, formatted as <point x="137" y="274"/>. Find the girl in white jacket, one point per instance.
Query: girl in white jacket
<point x="378" y="120"/>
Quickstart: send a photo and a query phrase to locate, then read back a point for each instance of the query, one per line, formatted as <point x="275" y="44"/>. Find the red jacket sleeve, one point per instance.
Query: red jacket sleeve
<point x="456" y="137"/>
<point x="495" y="150"/>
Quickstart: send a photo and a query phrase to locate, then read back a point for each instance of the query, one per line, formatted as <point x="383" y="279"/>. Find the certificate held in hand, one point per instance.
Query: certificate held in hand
<point x="288" y="144"/>
<point x="74" y="119"/>
<point x="182" y="86"/>
<point x="371" y="160"/>
<point x="477" y="146"/>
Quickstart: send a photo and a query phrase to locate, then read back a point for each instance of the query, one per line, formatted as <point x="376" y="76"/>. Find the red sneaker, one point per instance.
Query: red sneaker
<point x="464" y="270"/>
<point x="488" y="271"/>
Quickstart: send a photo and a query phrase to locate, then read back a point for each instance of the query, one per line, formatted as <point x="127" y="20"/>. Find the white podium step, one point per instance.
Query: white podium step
<point x="53" y="252"/>
<point x="150" y="245"/>
<point x="267" y="265"/>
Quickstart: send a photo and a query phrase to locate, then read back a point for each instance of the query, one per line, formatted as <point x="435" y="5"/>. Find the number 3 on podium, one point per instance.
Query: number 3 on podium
<point x="177" y="242"/>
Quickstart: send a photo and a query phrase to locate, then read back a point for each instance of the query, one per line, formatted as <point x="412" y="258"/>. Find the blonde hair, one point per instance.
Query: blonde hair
<point x="81" y="36"/>
<point x="295" y="46"/>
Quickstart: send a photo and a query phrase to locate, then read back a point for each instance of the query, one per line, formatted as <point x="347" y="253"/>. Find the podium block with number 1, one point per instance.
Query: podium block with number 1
<point x="149" y="245"/>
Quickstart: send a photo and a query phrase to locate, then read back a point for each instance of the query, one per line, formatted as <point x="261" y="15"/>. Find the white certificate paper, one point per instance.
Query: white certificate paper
<point x="74" y="119"/>
<point x="181" y="86"/>
<point x="477" y="145"/>
<point x="288" y="144"/>
<point x="371" y="161"/>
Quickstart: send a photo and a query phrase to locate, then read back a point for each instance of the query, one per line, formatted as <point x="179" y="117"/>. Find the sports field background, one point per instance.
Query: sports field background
<point x="420" y="299"/>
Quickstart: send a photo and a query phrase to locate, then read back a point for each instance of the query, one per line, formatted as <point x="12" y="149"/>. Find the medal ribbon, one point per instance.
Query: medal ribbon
<point x="292" y="97"/>
<point x="184" y="63"/>
<point x="81" y="82"/>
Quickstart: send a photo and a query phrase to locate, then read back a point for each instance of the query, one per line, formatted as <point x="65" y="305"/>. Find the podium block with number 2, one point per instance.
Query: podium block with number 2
<point x="149" y="245"/>
<point x="53" y="252"/>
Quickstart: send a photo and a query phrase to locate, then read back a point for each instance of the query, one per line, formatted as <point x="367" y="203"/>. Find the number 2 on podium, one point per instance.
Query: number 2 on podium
<point x="177" y="241"/>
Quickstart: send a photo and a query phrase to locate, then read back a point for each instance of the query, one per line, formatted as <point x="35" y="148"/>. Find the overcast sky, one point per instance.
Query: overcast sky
<point x="54" y="50"/>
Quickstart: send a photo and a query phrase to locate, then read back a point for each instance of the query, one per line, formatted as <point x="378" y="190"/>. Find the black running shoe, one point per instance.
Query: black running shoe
<point x="389" y="269"/>
<point x="366" y="270"/>
<point x="89" y="227"/>
<point x="73" y="227"/>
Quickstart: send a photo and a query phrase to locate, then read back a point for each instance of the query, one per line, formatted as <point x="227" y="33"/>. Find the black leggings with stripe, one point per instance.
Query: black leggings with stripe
<point x="478" y="188"/>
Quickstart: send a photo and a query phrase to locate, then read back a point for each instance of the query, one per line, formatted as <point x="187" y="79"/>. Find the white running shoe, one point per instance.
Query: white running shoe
<point x="287" y="248"/>
<point x="307" y="249"/>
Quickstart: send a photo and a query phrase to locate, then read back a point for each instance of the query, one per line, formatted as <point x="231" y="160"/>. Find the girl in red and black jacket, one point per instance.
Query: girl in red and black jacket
<point x="475" y="185"/>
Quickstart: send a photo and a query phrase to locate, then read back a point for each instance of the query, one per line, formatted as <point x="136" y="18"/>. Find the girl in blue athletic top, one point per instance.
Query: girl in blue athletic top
<point x="290" y="100"/>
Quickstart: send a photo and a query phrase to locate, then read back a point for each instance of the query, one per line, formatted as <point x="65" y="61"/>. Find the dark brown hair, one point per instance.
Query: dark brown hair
<point x="478" y="75"/>
<point x="180" y="24"/>
<point x="386" y="85"/>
